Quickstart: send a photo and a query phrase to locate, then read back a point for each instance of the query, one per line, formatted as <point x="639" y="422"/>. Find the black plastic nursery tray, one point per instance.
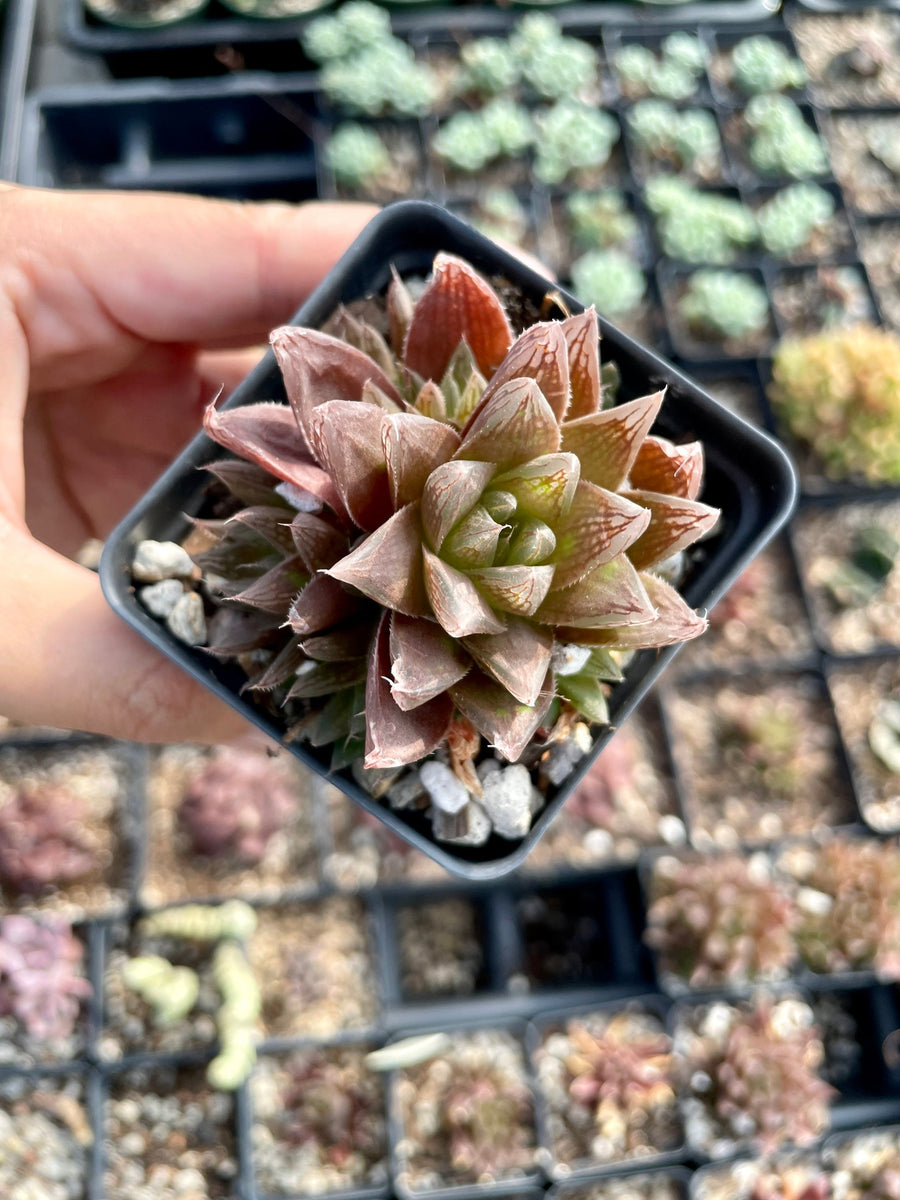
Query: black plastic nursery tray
<point x="217" y="40"/>
<point x="16" y="31"/>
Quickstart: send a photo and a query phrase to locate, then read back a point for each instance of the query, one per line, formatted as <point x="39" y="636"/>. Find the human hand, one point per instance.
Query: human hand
<point x="121" y="316"/>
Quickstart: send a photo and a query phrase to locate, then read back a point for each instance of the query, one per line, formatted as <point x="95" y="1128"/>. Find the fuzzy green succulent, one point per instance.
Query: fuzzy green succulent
<point x="468" y="141"/>
<point x="554" y="66"/>
<point x="500" y="214"/>
<point x="611" y="280"/>
<point x="356" y="155"/>
<point x="760" y="64"/>
<point x="600" y="220"/>
<point x="781" y="142"/>
<point x="673" y="75"/>
<point x="724" y="304"/>
<point x="682" y="138"/>
<point x="697" y="226"/>
<point x="355" y="27"/>
<point x="572" y="137"/>
<point x="440" y="511"/>
<point x="488" y="67"/>
<point x="792" y="216"/>
<point x="839" y="393"/>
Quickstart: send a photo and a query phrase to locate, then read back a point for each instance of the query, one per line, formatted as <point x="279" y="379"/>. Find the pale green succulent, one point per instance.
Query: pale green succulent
<point x="685" y="138"/>
<point x="354" y="27"/>
<point x="489" y="67"/>
<point x="697" y="226"/>
<point x="600" y="219"/>
<point x="572" y="137"/>
<point x="356" y="155"/>
<point x="381" y="80"/>
<point x="500" y="215"/>
<point x="561" y="67"/>
<point x="469" y="141"/>
<point x="610" y="280"/>
<point x="726" y="304"/>
<point x="170" y="991"/>
<point x="781" y="142"/>
<point x="789" y="219"/>
<point x="760" y="64"/>
<point x="674" y="75"/>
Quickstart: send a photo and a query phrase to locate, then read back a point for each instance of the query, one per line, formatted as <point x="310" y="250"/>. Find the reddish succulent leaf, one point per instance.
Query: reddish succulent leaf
<point x="473" y="543"/>
<point x="519" y="658"/>
<point x="516" y="425"/>
<point x="455" y="601"/>
<point x="282" y="668"/>
<point x="583" y="340"/>
<point x="372" y="394"/>
<point x="318" y="368"/>
<point x="545" y="486"/>
<point x="413" y="446"/>
<point x="250" y="483"/>
<point x="607" y="443"/>
<point x="514" y="588"/>
<point x="348" y="440"/>
<point x="316" y="679"/>
<point x="451" y="491"/>
<point x="270" y="523"/>
<point x="275" y="590"/>
<point x="317" y="542"/>
<point x="507" y="724"/>
<point x="321" y="604"/>
<point x="674" y="622"/>
<point x="349" y="329"/>
<point x="237" y="630"/>
<point x="457" y="303"/>
<point x="540" y="353"/>
<point x="612" y="594"/>
<point x="424" y="661"/>
<point x="675" y="523"/>
<point x="268" y="435"/>
<point x="387" y="565"/>
<point x="340" y="645"/>
<point x="394" y="737"/>
<point x="399" y="311"/>
<point x="661" y="466"/>
<point x="598" y="527"/>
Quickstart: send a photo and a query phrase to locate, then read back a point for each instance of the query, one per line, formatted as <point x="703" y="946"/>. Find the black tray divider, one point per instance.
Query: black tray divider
<point x="94" y="1098"/>
<point x="16" y="32"/>
<point x="503" y="939"/>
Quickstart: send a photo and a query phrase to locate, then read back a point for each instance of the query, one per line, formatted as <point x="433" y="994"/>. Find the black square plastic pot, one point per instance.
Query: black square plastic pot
<point x="748" y="477"/>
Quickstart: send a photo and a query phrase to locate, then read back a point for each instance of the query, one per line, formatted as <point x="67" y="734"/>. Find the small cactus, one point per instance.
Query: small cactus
<point x="355" y="27"/>
<point x="724" y="304"/>
<point x="488" y="67"/>
<point x="41" y="984"/>
<point x="382" y="79"/>
<point x="555" y="67"/>
<point x="600" y="220"/>
<point x="468" y="141"/>
<point x="673" y="75"/>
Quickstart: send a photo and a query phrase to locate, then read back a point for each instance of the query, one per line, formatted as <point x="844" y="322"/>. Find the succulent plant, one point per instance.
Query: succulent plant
<point x="488" y="67"/>
<point x="720" y="921"/>
<point x="171" y="991"/>
<point x="760" y="64"/>
<point x="839" y="392"/>
<point x="683" y="138"/>
<point x="41" y="983"/>
<point x="724" y="304"/>
<point x="611" y="280"/>
<point x="792" y="216"/>
<point x="470" y="1110"/>
<point x="236" y="804"/>
<point x="40" y="842"/>
<point x="471" y="140"/>
<point x="624" y="1075"/>
<point x="202" y="922"/>
<point x="236" y="1017"/>
<point x="499" y="214"/>
<point x="331" y="1103"/>
<point x="781" y="142"/>
<point x="357" y="156"/>
<point x="750" y="1075"/>
<point x="848" y="904"/>
<point x="465" y="525"/>
<point x="355" y="27"/>
<point x="697" y="226"/>
<point x="673" y="75"/>
<point x="572" y="137"/>
<point x="765" y="737"/>
<point x="552" y="65"/>
<point x="856" y="579"/>
<point x="600" y="220"/>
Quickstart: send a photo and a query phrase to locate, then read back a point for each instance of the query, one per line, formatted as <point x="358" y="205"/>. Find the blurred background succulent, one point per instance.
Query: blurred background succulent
<point x="552" y="65"/>
<point x="469" y="141"/>
<point x="781" y="142"/>
<point x="41" y="843"/>
<point x="600" y="219"/>
<point x="572" y="139"/>
<point x="720" y="921"/>
<point x="356" y="155"/>
<point x="678" y="138"/>
<point x="724" y="304"/>
<point x="750" y="1075"/>
<point x="609" y="279"/>
<point x="698" y="226"/>
<point x="789" y="220"/>
<point x="839" y="393"/>
<point x="42" y="982"/>
<point x="762" y="64"/>
<point x="237" y="803"/>
<point x="674" y="74"/>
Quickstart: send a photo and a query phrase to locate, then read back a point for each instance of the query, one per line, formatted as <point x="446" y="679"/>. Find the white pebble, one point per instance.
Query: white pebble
<point x="568" y="659"/>
<point x="187" y="620"/>
<point x="160" y="598"/>
<point x="154" y="561"/>
<point x="672" y="830"/>
<point x="446" y="791"/>
<point x="507" y="801"/>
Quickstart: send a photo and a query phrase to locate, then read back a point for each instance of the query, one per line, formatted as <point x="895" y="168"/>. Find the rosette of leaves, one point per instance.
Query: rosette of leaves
<point x="41" y="980"/>
<point x="552" y="65"/>
<point x="792" y="216"/>
<point x="697" y="226"/>
<point x="724" y="304"/>
<point x="848" y="904"/>
<point x="237" y="803"/>
<point x="601" y="219"/>
<point x="761" y="64"/>
<point x="673" y="75"/>
<point x="356" y="155"/>
<point x="720" y="920"/>
<point x="750" y="1075"/>
<point x="781" y="142"/>
<point x="40" y="844"/>
<point x="572" y="138"/>
<point x="609" y="279"/>
<point x="686" y="139"/>
<point x="469" y="141"/>
<point x="465" y="511"/>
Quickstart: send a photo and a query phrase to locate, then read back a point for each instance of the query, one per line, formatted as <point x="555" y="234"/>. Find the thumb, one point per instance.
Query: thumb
<point x="66" y="660"/>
